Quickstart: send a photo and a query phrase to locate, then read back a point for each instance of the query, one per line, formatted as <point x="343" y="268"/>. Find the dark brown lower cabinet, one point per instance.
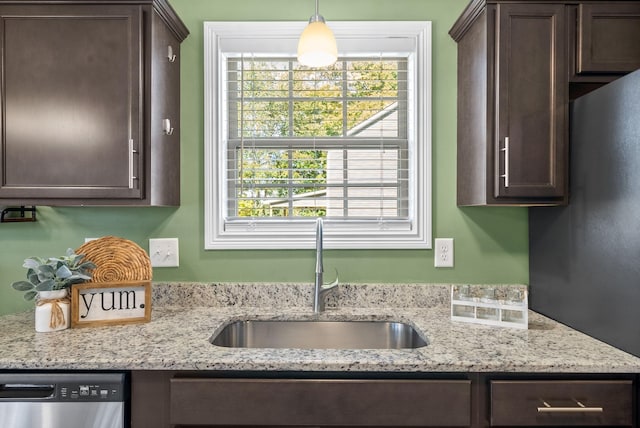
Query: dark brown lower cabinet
<point x="562" y="403"/>
<point x="320" y="402"/>
<point x="175" y="399"/>
<point x="162" y="399"/>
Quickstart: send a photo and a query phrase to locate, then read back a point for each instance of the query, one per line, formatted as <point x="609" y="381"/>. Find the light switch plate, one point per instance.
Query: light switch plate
<point x="164" y="252"/>
<point x="444" y="252"/>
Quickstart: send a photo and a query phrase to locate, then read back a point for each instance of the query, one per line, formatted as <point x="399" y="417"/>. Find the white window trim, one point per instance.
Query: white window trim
<point x="293" y="234"/>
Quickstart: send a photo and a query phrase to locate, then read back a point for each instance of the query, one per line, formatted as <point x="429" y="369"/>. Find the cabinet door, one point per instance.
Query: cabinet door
<point x="608" y="39"/>
<point x="531" y="106"/>
<point x="71" y="80"/>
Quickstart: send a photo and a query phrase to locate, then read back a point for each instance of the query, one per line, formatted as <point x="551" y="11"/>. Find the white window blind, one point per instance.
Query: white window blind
<point x="309" y="143"/>
<point x="285" y="144"/>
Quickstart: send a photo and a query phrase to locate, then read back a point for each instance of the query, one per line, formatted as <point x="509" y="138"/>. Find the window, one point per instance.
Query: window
<point x="285" y="144"/>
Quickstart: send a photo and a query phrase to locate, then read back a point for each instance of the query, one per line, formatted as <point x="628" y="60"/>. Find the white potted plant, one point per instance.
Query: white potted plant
<point x="49" y="279"/>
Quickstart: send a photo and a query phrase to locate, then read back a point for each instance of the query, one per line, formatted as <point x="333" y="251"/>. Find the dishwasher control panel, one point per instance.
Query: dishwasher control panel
<point x="58" y="387"/>
<point x="95" y="391"/>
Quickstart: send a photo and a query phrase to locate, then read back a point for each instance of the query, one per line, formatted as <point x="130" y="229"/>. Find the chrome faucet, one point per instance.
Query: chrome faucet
<point x="321" y="290"/>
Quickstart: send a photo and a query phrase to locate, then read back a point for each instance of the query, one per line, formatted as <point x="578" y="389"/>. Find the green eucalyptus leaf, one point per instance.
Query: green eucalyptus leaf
<point x="87" y="266"/>
<point x="30" y="295"/>
<point x="75" y="259"/>
<point x="46" y="285"/>
<point x="22" y="286"/>
<point x="45" y="276"/>
<point x="32" y="276"/>
<point x="63" y="272"/>
<point x="31" y="263"/>
<point x="46" y="269"/>
<point x="77" y="279"/>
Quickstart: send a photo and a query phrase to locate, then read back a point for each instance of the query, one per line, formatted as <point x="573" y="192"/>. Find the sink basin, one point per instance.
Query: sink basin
<point x="319" y="335"/>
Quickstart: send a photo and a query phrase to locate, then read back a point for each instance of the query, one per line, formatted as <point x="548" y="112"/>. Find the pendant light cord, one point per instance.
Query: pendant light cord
<point x="317" y="17"/>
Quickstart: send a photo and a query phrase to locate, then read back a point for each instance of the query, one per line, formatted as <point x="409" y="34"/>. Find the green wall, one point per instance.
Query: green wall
<point x="491" y="244"/>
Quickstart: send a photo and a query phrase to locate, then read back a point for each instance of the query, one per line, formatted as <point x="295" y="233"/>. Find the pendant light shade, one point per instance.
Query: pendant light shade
<point x="317" y="45"/>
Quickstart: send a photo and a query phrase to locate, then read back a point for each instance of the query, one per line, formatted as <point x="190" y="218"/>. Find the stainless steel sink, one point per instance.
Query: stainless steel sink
<point x="319" y="335"/>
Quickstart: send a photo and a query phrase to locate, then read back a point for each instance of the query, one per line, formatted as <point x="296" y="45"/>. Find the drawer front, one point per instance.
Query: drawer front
<point x="545" y="403"/>
<point x="291" y="402"/>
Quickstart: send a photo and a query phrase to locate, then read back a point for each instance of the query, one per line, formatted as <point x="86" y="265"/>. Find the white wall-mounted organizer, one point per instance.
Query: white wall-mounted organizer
<point x="504" y="306"/>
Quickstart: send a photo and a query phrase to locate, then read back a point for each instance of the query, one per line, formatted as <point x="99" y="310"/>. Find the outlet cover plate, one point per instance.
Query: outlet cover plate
<point x="444" y="252"/>
<point x="164" y="252"/>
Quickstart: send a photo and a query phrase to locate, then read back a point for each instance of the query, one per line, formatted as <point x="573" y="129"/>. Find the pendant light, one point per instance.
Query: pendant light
<point x="317" y="45"/>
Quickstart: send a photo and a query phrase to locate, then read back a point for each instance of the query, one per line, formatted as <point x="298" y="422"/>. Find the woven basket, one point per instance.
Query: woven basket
<point x="116" y="259"/>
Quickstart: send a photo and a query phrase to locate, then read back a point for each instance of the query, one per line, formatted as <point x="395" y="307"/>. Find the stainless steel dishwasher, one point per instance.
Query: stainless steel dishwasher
<point x="57" y="400"/>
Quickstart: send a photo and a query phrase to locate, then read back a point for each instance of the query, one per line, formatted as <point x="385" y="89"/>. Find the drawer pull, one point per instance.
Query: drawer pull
<point x="548" y="408"/>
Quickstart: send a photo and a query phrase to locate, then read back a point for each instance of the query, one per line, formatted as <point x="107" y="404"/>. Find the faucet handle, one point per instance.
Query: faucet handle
<point x="333" y="284"/>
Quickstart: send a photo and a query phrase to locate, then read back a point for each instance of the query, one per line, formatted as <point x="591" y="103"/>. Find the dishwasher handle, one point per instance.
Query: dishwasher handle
<point x="15" y="391"/>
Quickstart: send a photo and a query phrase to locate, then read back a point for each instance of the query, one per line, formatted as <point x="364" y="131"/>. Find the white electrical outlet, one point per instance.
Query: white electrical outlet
<point x="164" y="252"/>
<point x="444" y="252"/>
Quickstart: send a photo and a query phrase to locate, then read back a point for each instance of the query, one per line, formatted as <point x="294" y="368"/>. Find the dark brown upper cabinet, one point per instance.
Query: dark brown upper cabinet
<point x="608" y="38"/>
<point x="512" y="104"/>
<point x="90" y="103"/>
<point x="519" y="65"/>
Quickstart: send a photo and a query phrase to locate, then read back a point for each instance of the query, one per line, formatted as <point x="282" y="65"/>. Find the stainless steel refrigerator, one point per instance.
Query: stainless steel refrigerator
<point x="585" y="257"/>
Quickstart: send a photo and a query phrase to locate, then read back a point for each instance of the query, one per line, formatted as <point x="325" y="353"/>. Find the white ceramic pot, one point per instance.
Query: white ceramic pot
<point x="52" y="311"/>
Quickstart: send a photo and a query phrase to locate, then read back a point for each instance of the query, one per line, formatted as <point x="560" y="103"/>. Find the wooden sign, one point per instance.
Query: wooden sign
<point x="105" y="303"/>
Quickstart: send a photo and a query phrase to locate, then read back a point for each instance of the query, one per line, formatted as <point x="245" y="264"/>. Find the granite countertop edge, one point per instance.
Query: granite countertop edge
<point x="178" y="337"/>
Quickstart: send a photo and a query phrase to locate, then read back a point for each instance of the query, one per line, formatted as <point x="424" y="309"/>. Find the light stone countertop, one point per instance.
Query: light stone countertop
<point x="186" y="315"/>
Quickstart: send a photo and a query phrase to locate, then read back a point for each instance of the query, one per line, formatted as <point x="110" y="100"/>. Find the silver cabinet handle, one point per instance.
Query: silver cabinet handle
<point x="132" y="152"/>
<point x="581" y="408"/>
<point x="505" y="149"/>
<point x="170" y="55"/>
<point x="166" y="127"/>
